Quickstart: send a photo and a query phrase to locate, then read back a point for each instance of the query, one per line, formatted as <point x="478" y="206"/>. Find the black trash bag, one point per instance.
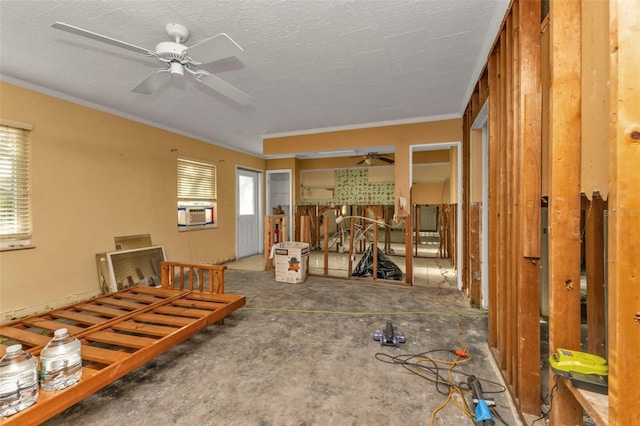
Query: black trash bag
<point x="386" y="268"/>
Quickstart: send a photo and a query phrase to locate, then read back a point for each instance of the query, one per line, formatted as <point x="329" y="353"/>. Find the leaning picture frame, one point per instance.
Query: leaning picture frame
<point x="139" y="266"/>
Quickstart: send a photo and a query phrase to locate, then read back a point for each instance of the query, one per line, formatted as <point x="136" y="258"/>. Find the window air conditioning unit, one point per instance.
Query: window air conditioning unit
<point x="194" y="216"/>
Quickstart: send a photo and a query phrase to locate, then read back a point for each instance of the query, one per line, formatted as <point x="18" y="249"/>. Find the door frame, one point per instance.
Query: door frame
<point x="260" y="206"/>
<point x="435" y="147"/>
<point x="482" y="122"/>
<point x="290" y="219"/>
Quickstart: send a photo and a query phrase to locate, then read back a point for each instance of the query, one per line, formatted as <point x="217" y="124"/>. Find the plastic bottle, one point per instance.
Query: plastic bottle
<point x="18" y="380"/>
<point x="60" y="361"/>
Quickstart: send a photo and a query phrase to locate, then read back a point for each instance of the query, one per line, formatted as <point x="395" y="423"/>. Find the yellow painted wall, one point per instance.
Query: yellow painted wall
<point x="397" y="135"/>
<point x="453" y="175"/>
<point x="96" y="176"/>
<point x="401" y="137"/>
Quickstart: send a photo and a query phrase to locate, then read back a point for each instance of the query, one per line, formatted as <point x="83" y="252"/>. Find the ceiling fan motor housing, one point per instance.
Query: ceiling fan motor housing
<point x="177" y="32"/>
<point x="170" y="51"/>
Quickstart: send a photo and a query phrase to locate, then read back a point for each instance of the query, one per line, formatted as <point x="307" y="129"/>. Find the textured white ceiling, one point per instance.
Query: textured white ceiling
<point x="309" y="64"/>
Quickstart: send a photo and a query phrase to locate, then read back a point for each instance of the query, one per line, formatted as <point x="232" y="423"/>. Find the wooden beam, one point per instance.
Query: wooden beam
<point x="502" y="206"/>
<point x="564" y="195"/>
<point x="466" y="198"/>
<point x="475" y="290"/>
<point x="510" y="229"/>
<point x="624" y="214"/>
<point x="352" y="249"/>
<point x="408" y="276"/>
<point x="529" y="184"/>
<point x="595" y="262"/>
<point x="416" y="215"/>
<point x="493" y="187"/>
<point x="326" y="244"/>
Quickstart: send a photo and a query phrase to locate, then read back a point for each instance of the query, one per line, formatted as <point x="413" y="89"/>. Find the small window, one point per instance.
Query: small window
<point x="196" y="194"/>
<point x="15" y="197"/>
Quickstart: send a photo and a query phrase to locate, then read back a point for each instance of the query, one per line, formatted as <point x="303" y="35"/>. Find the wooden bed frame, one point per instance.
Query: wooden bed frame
<point x="123" y="330"/>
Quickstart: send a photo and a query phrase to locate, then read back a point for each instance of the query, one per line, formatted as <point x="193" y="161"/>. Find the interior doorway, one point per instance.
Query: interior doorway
<point x="448" y="193"/>
<point x="479" y="196"/>
<point x="248" y="212"/>
<point x="279" y="198"/>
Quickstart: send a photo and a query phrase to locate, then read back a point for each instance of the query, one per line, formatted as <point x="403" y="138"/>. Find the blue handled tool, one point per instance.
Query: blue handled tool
<point x="483" y="413"/>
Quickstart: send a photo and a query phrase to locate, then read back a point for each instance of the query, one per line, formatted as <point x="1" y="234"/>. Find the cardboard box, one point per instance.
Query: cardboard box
<point x="291" y="259"/>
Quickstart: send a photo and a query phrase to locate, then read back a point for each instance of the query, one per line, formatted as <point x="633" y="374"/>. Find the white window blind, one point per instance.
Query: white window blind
<point x="196" y="181"/>
<point x="15" y="202"/>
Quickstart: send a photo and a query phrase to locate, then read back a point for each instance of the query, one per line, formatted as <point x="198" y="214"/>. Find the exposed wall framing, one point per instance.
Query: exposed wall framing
<point x="511" y="82"/>
<point x="545" y="116"/>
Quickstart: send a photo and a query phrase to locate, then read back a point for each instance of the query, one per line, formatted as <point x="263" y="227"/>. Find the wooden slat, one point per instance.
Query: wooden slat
<point x="102" y="355"/>
<point x="102" y="310"/>
<point x="24" y="336"/>
<point x="145" y="299"/>
<point x="594" y="404"/>
<point x="78" y="317"/>
<point x="181" y="312"/>
<point x="155" y="291"/>
<point x="118" y="339"/>
<point x="219" y="298"/>
<point x="141" y="328"/>
<point x="52" y="325"/>
<point x="114" y="301"/>
<point x="199" y="304"/>
<point x="162" y="319"/>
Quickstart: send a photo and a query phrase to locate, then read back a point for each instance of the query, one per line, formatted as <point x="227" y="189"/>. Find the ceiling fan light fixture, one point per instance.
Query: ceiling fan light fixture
<point x="368" y="161"/>
<point x="177" y="68"/>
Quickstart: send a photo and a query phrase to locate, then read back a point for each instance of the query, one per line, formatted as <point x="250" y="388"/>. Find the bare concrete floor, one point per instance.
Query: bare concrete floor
<point x="304" y="354"/>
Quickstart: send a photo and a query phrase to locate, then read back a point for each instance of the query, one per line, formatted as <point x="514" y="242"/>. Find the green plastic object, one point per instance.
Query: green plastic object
<point x="586" y="371"/>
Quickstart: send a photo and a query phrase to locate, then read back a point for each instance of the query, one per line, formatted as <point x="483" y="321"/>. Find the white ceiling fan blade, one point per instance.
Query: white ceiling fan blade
<point x="224" y="88"/>
<point x="99" y="37"/>
<point x="152" y="82"/>
<point x="214" y="49"/>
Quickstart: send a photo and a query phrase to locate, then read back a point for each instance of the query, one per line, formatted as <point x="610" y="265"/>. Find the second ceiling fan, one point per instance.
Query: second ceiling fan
<point x="371" y="157"/>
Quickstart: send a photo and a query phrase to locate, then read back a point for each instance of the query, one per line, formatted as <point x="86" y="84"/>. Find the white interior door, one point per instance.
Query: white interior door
<point x="247" y="213"/>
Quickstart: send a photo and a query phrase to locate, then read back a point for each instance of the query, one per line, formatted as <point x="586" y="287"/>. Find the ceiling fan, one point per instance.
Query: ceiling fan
<point x="370" y="157"/>
<point x="178" y="58"/>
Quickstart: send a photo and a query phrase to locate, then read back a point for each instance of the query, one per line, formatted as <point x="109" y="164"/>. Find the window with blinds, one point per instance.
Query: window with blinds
<point x="15" y="201"/>
<point x="196" y="193"/>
